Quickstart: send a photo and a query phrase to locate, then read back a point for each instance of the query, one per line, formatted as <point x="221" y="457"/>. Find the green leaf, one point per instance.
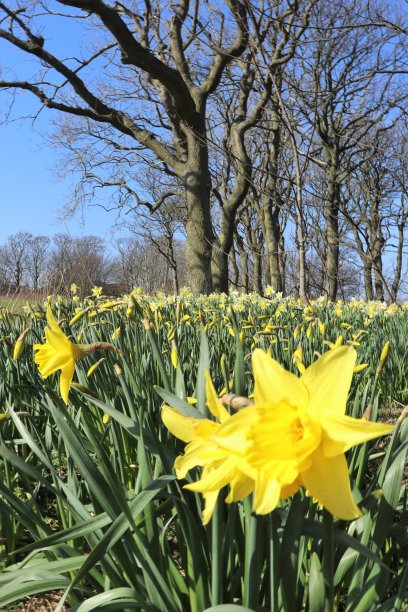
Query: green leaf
<point x="203" y="367"/>
<point x="316" y="585"/>
<point x="178" y="404"/>
<point x="115" y="600"/>
<point x="228" y="608"/>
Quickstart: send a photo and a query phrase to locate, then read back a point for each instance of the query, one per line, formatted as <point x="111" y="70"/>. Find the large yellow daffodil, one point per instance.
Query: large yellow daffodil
<point x="302" y="432"/>
<point x="58" y="353"/>
<point x="295" y="434"/>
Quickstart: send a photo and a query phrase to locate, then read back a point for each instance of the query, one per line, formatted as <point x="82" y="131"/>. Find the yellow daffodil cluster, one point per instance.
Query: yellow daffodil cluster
<point x="296" y="434"/>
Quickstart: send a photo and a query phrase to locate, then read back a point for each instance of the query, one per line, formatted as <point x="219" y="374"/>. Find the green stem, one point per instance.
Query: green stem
<point x="328" y="559"/>
<point x="252" y="557"/>
<point x="216" y="552"/>
<point x="273" y="561"/>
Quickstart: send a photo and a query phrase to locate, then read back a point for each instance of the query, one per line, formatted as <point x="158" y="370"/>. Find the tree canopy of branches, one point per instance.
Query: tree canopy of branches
<point x="252" y="127"/>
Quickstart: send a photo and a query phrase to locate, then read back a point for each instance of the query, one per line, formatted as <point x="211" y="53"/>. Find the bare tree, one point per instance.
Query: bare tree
<point x="347" y="83"/>
<point x="161" y="52"/>
<point x="14" y="257"/>
<point x="375" y="206"/>
<point x="164" y="230"/>
<point x="37" y="261"/>
<point x="82" y="261"/>
<point x="144" y="263"/>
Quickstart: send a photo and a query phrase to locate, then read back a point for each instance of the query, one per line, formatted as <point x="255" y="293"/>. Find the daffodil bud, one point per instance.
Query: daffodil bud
<point x="78" y="316"/>
<point x="94" y="367"/>
<point x="116" y="334"/>
<point x="117" y="369"/>
<point x="384" y="353"/>
<point x="174" y="355"/>
<point x="19" y="345"/>
<point x="360" y="367"/>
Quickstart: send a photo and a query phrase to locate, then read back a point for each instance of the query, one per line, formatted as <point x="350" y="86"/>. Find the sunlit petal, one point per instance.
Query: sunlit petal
<point x="327" y="480"/>
<point x="343" y="432"/>
<point x="267" y="494"/>
<point x="274" y="384"/>
<point x="180" y="426"/>
<point x="213" y="403"/>
<point x="328" y="380"/>
<point x="210" y="499"/>
<point x="67" y="373"/>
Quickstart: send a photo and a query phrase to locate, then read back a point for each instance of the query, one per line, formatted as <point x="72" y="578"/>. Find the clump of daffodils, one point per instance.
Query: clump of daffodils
<point x="296" y="434"/>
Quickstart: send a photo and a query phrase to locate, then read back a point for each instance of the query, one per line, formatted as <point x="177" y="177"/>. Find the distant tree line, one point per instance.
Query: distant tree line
<point x="271" y="135"/>
<point x="43" y="265"/>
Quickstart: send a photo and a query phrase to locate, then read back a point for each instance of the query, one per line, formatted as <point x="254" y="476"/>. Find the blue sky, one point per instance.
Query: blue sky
<point x="31" y="198"/>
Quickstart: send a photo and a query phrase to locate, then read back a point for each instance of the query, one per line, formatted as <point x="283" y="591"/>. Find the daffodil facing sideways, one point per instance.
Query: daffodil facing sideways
<point x="296" y="434"/>
<point x="59" y="353"/>
<point x="205" y="449"/>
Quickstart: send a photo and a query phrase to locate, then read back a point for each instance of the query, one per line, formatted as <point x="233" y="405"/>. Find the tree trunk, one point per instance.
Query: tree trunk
<point x="378" y="277"/>
<point x="243" y="261"/>
<point x="282" y="262"/>
<point x="272" y="235"/>
<point x="199" y="233"/>
<point x="300" y="243"/>
<point x="377" y="247"/>
<point x="332" y="233"/>
<point x="368" y="280"/>
<point x="398" y="263"/>
<point x="234" y="268"/>
<point x="221" y="249"/>
<point x="257" y="281"/>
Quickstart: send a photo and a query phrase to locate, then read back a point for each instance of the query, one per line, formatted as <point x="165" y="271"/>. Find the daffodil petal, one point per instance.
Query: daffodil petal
<point x="67" y="372"/>
<point x="215" y="478"/>
<point x="210" y="499"/>
<point x="274" y="384"/>
<point x="233" y="433"/>
<point x="213" y="403"/>
<point x="179" y="425"/>
<point x="343" y="432"/>
<point x="52" y="321"/>
<point x="267" y="494"/>
<point x="240" y="486"/>
<point x="327" y="480"/>
<point x="57" y="339"/>
<point x="328" y="380"/>
<point x="291" y="489"/>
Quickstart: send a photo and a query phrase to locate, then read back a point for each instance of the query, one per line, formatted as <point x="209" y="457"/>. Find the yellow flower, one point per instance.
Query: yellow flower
<point x="296" y="434"/>
<point x="208" y="448"/>
<point x="97" y="291"/>
<point x="301" y="432"/>
<point x="58" y="353"/>
<point x="297" y="359"/>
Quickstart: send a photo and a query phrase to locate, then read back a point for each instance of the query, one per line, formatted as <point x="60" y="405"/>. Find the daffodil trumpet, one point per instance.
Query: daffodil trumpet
<point x="295" y="435"/>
